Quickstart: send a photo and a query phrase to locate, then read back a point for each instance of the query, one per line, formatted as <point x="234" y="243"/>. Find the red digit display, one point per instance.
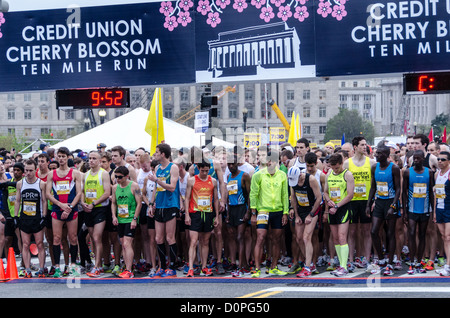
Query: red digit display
<point x="93" y="98"/>
<point x="427" y="83"/>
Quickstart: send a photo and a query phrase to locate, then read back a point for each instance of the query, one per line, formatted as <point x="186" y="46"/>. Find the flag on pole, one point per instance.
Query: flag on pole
<point x="430" y="135"/>
<point x="292" y="131"/>
<point x="444" y="135"/>
<point x="343" y="139"/>
<point x="299" y="128"/>
<point x="155" y="124"/>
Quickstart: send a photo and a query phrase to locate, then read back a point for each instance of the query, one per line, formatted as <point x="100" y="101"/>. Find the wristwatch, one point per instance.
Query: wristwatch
<point x="70" y="206"/>
<point x="336" y="206"/>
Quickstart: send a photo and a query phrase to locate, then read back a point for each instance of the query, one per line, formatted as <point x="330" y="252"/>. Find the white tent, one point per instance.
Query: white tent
<point x="128" y="132"/>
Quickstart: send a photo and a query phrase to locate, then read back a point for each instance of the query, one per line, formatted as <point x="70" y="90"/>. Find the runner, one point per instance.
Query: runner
<point x="305" y="201"/>
<point x="201" y="194"/>
<point x="269" y="203"/>
<point x="386" y="189"/>
<point x="126" y="201"/>
<point x="64" y="191"/>
<point x="359" y="229"/>
<point x="95" y="203"/>
<point x="118" y="154"/>
<point x="302" y="149"/>
<point x="31" y="202"/>
<point x="238" y="186"/>
<point x="338" y="193"/>
<point x="418" y="181"/>
<point x="442" y="205"/>
<point x="165" y="205"/>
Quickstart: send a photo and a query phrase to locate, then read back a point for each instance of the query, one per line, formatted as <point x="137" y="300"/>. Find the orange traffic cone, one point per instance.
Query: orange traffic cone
<point x="11" y="269"/>
<point x="2" y="272"/>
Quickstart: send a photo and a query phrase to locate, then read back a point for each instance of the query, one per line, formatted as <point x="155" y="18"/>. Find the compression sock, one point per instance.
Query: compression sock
<point x="56" y="253"/>
<point x="162" y="255"/>
<point x="344" y="255"/>
<point x="73" y="253"/>
<point x="173" y="254"/>
<point x="338" y="251"/>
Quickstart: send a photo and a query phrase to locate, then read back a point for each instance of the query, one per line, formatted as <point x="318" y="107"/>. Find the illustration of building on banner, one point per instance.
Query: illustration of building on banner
<point x="258" y="51"/>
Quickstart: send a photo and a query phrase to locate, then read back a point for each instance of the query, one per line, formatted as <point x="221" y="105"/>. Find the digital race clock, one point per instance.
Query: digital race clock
<point x="426" y="83"/>
<point x="93" y="98"/>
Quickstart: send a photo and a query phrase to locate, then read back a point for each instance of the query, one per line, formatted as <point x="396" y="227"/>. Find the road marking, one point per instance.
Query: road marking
<point x="432" y="289"/>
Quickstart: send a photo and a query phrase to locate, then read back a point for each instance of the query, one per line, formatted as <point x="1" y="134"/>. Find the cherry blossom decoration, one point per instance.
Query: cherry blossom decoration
<point x="2" y="21"/>
<point x="178" y="14"/>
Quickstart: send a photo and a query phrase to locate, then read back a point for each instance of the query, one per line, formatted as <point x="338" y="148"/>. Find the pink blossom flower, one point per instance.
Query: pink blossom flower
<point x="186" y="4"/>
<point x="240" y="5"/>
<point x="277" y="3"/>
<point x="203" y="7"/>
<point x="2" y="18"/>
<point x="284" y="13"/>
<point x="213" y="19"/>
<point x="301" y="1"/>
<point x="184" y="18"/>
<point x="166" y="8"/>
<point x="222" y="3"/>
<point x="339" y="12"/>
<point x="171" y="23"/>
<point x="267" y="14"/>
<point x="258" y="3"/>
<point x="324" y="9"/>
<point x="301" y="13"/>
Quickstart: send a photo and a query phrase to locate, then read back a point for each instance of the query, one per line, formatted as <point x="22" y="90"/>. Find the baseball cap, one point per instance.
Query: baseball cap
<point x="293" y="174"/>
<point x="101" y="145"/>
<point x="390" y="144"/>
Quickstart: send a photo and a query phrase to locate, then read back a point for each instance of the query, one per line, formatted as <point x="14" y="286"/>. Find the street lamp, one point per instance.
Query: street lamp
<point x="244" y="117"/>
<point x="415" y="128"/>
<point x="102" y="115"/>
<point x="86" y="123"/>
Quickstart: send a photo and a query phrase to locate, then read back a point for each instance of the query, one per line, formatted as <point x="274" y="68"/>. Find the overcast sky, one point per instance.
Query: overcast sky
<point x="26" y="5"/>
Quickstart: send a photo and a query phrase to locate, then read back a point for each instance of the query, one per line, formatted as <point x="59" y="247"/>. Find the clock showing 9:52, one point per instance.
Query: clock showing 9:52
<point x="93" y="98"/>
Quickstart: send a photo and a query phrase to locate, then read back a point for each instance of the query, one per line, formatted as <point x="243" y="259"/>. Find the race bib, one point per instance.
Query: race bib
<point x="204" y="203"/>
<point x="29" y="208"/>
<point x="232" y="187"/>
<point x="62" y="187"/>
<point x="262" y="218"/>
<point x="158" y="187"/>
<point x="123" y="211"/>
<point x="91" y="195"/>
<point x="302" y="199"/>
<point x="440" y="191"/>
<point x="419" y="190"/>
<point x="382" y="189"/>
<point x="335" y="194"/>
<point x="360" y="190"/>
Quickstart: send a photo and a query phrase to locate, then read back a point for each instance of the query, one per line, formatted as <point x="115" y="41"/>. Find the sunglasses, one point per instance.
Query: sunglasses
<point x="441" y="159"/>
<point x="119" y="177"/>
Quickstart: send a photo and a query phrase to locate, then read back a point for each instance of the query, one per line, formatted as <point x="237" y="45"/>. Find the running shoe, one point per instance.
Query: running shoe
<point x="126" y="274"/>
<point x="219" y="269"/>
<point x="116" y="270"/>
<point x="444" y="271"/>
<point x="305" y="272"/>
<point x="341" y="272"/>
<point x="51" y="272"/>
<point x="429" y="266"/>
<point x="74" y="271"/>
<point x="40" y="274"/>
<point x="389" y="270"/>
<point x="441" y="261"/>
<point x="276" y="271"/>
<point x="159" y="273"/>
<point x="94" y="273"/>
<point x="313" y="269"/>
<point x="152" y="272"/>
<point x="238" y="273"/>
<point x="190" y="273"/>
<point x="22" y="272"/>
<point x="295" y="268"/>
<point x="256" y="273"/>
<point x="27" y="274"/>
<point x="351" y="267"/>
<point x="57" y="273"/>
<point x="206" y="272"/>
<point x="169" y="273"/>
<point x="398" y="265"/>
<point x="411" y="270"/>
<point x="66" y="270"/>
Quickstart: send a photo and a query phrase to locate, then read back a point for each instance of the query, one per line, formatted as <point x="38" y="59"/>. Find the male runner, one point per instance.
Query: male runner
<point x="126" y="202"/>
<point x="386" y="188"/>
<point x="305" y="201"/>
<point x="118" y="154"/>
<point x="95" y="203"/>
<point x="442" y="205"/>
<point x="360" y="166"/>
<point x="165" y="205"/>
<point x="63" y="189"/>
<point x="418" y="182"/>
<point x="302" y="149"/>
<point x="269" y="204"/>
<point x="31" y="202"/>
<point x="201" y="195"/>
<point x="338" y="193"/>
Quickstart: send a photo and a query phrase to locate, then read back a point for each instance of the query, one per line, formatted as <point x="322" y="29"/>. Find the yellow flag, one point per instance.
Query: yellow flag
<point x="155" y="124"/>
<point x="299" y="128"/>
<point x="292" y="133"/>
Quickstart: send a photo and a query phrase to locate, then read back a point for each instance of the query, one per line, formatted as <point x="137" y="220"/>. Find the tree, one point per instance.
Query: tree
<point x="351" y="123"/>
<point x="439" y="123"/>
